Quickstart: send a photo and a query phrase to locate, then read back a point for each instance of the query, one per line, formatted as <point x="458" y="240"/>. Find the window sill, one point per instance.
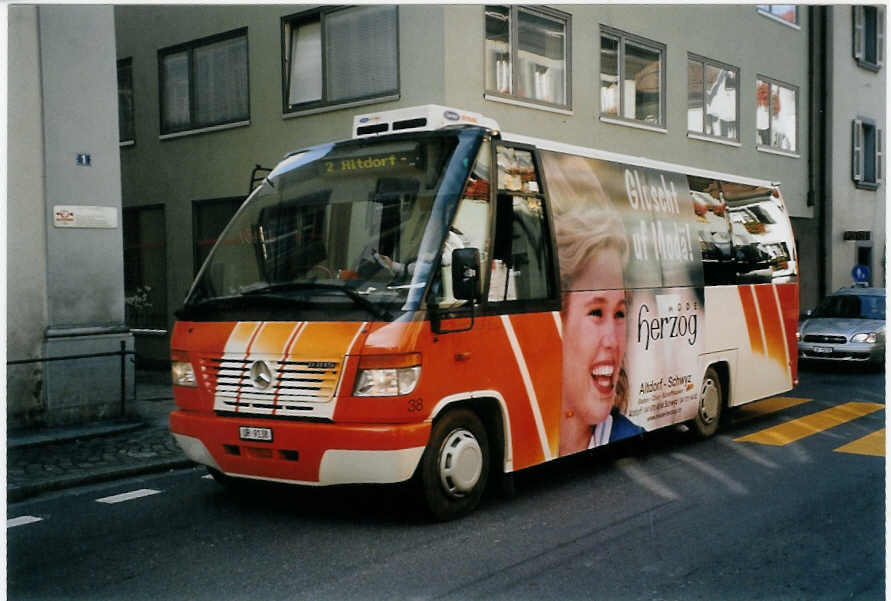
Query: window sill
<point x="782" y="153"/>
<point x="203" y="130"/>
<point x="704" y="138"/>
<point x="339" y="106"/>
<point x="872" y="186"/>
<point x="868" y="66"/>
<point x="634" y="124"/>
<point x="528" y="104"/>
<point x="126" y="143"/>
<point x="772" y="17"/>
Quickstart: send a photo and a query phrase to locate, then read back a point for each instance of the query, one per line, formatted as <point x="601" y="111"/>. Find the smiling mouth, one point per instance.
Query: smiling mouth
<point x="602" y="375"/>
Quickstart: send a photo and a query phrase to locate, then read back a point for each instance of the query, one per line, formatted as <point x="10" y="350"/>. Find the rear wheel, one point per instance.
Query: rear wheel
<point x="711" y="404"/>
<point x="455" y="465"/>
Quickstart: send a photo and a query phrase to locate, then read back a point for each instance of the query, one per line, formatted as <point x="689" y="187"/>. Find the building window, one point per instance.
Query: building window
<point x="209" y="218"/>
<point x="869" y="36"/>
<point x="527" y="54"/>
<point x="712" y="99"/>
<point x="204" y="83"/>
<point x="125" y="101"/>
<point x="787" y="13"/>
<point x="145" y="267"/>
<point x="640" y="67"/>
<point x="336" y="56"/>
<point x="866" y="154"/>
<point x="776" y="115"/>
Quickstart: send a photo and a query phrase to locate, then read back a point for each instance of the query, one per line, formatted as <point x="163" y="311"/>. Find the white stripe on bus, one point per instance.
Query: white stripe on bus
<point x="527" y="382"/>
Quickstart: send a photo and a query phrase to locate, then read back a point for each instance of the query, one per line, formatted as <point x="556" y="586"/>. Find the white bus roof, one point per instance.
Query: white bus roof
<point x="635" y="160"/>
<point x="433" y="116"/>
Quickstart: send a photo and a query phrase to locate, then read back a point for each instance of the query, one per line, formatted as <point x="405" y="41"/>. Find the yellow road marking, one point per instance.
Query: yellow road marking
<point x="811" y="424"/>
<point x="771" y="405"/>
<point x="872" y="444"/>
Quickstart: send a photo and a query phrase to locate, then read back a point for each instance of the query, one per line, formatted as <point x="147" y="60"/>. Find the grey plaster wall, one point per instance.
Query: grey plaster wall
<point x="175" y="172"/>
<point x="856" y="93"/>
<point x="65" y="286"/>
<point x="26" y="308"/>
<point x="79" y="78"/>
<point x="442" y="61"/>
<point x="736" y="35"/>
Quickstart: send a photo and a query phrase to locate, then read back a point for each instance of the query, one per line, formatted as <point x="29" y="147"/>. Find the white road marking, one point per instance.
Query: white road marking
<point x="128" y="496"/>
<point x="21" y="521"/>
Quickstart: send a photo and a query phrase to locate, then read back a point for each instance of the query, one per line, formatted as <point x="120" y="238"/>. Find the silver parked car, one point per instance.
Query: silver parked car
<point x="846" y="326"/>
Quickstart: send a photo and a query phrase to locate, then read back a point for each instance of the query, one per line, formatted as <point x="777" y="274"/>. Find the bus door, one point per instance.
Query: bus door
<point x="522" y="304"/>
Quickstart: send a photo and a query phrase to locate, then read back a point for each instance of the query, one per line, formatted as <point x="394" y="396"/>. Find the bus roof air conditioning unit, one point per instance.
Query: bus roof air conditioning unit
<point x="417" y="118"/>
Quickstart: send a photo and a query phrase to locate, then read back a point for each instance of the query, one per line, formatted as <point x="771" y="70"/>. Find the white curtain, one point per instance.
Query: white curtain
<point x="361" y="52"/>
<point x="221" y="82"/>
<point x="175" y="75"/>
<point x="306" y="63"/>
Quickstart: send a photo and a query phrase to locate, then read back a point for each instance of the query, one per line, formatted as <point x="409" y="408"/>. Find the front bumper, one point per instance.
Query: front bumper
<point x="301" y="452"/>
<point x="849" y="352"/>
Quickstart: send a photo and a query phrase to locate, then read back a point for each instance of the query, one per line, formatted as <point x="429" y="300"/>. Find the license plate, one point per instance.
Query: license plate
<point x="822" y="349"/>
<point x="252" y="433"/>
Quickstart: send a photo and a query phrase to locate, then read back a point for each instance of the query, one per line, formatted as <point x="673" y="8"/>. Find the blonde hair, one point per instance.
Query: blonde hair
<point x="581" y="233"/>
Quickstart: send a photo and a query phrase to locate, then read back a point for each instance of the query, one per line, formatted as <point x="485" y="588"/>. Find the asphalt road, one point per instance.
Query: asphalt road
<point x="662" y="518"/>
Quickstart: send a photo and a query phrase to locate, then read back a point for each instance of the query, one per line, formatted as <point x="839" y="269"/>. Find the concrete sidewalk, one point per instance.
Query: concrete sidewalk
<point x="58" y="458"/>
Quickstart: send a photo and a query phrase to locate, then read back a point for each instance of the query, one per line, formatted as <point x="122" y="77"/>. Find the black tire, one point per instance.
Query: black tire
<point x="710" y="406"/>
<point x="455" y="466"/>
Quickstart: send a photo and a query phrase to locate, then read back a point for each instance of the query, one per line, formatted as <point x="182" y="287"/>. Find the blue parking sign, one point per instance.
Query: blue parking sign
<point x="860" y="273"/>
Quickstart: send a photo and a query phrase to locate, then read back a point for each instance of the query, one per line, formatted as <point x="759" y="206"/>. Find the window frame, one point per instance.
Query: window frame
<point x="622" y="38"/>
<point x="158" y="321"/>
<point x="190" y="47"/>
<point x="769" y="147"/>
<point x="860" y="41"/>
<point x="319" y="14"/>
<point x="858" y="154"/>
<point x="720" y="65"/>
<point x="768" y="13"/>
<point x="197" y="205"/>
<point x="538" y="305"/>
<point x="126" y="63"/>
<point x="513" y="49"/>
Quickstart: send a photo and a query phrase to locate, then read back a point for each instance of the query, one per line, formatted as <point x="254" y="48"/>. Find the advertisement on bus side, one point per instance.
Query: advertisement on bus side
<point x="633" y="298"/>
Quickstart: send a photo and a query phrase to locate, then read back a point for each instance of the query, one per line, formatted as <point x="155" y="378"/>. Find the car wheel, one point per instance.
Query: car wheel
<point x="711" y="404"/>
<point x="455" y="465"/>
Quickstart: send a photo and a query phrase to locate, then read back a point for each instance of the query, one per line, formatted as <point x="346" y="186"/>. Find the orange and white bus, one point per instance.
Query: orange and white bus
<point x="439" y="300"/>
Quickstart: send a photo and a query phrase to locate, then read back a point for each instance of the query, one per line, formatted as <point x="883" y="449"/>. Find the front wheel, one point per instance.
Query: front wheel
<point x="455" y="465"/>
<point x="711" y="403"/>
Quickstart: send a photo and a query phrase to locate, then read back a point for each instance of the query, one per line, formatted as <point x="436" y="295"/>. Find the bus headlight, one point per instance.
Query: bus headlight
<point x="182" y="374"/>
<point x="870" y="338"/>
<point x="387" y="375"/>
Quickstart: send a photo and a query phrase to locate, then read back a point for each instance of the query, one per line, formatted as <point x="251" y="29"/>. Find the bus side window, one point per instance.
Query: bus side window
<point x="521" y="262"/>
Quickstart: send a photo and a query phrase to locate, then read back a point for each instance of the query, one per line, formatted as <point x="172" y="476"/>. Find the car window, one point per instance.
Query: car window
<point x="851" y="306"/>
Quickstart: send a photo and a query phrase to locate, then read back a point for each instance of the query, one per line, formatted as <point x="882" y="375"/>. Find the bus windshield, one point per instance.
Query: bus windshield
<point x="338" y="231"/>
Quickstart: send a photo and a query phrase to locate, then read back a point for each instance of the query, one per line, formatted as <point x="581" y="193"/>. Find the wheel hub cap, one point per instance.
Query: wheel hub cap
<point x="710" y="402"/>
<point x="460" y="463"/>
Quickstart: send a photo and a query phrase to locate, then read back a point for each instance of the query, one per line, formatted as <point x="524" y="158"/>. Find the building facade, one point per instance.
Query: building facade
<point x="855" y="217"/>
<point x="209" y="93"/>
<point x="65" y="293"/>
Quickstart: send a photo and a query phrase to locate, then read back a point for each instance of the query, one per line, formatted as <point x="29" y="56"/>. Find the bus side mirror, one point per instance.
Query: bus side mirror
<point x="466" y="274"/>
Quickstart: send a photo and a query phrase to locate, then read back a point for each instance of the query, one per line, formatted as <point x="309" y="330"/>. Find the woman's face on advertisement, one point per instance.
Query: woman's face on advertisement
<point x="594" y="338"/>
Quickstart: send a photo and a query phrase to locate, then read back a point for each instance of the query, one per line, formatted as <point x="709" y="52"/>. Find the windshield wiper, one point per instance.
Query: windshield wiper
<point x="348" y="292"/>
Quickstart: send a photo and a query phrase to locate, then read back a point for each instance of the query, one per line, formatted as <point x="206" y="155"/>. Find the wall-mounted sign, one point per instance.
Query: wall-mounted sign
<point x="856" y="235"/>
<point x="81" y="216"/>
